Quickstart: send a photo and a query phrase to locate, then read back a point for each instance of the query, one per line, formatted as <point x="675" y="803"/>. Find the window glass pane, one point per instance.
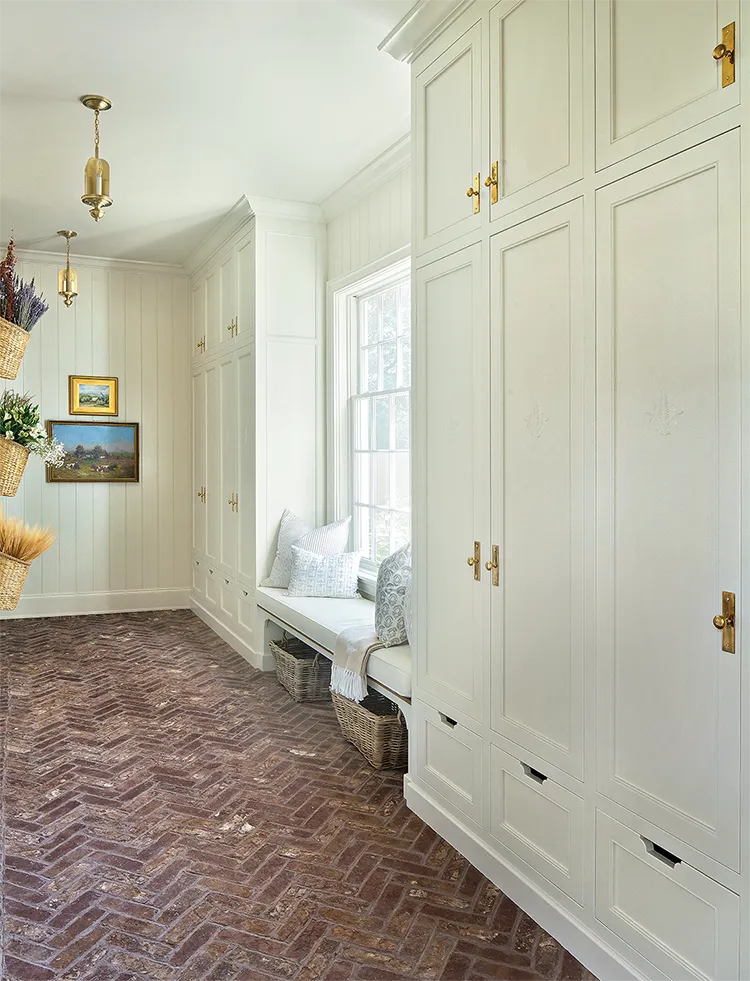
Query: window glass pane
<point x="402" y="421"/>
<point x="370" y="320"/>
<point x="404" y="362"/>
<point x="390" y="313"/>
<point x="401" y="486"/>
<point x="363" y="486"/>
<point x="404" y="308"/>
<point x="369" y="370"/>
<point x="363" y="519"/>
<point x="382" y="465"/>
<point x="388" y="351"/>
<point x="382" y="423"/>
<point x="401" y="529"/>
<point x="382" y="535"/>
<point x="362" y="426"/>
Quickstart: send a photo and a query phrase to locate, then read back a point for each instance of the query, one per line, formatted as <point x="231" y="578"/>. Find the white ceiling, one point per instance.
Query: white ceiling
<point x="211" y="99"/>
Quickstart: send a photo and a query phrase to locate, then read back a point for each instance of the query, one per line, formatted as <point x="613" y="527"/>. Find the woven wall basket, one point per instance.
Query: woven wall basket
<point x="13" y="574"/>
<point x="13" y="459"/>
<point x="13" y="341"/>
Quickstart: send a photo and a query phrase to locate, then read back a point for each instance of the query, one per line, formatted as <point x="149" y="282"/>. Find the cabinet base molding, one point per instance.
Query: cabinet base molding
<point x="590" y="951"/>
<point x="120" y="601"/>
<point x="263" y="662"/>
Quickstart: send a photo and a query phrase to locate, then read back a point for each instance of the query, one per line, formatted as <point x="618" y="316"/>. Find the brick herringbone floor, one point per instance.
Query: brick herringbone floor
<point x="170" y="813"/>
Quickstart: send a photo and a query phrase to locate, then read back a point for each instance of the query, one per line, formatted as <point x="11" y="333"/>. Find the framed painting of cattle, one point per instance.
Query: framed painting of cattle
<point x="99" y="452"/>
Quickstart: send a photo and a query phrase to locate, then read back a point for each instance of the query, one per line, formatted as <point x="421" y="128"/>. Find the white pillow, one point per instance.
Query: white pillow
<point x="324" y="575"/>
<point x="327" y="540"/>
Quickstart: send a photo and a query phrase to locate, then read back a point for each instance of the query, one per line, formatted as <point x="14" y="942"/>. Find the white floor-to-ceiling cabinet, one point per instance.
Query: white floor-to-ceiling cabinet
<point x="257" y="314"/>
<point x="580" y="722"/>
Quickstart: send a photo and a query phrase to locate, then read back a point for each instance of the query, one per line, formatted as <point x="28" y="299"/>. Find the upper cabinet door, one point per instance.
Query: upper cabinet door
<point x="451" y="467"/>
<point x="655" y="71"/>
<point x="199" y="316"/>
<point x="540" y="421"/>
<point x="448" y="125"/>
<point x="669" y="396"/>
<point x="245" y="321"/>
<point x="228" y="277"/>
<point x="213" y="310"/>
<point x="536" y="99"/>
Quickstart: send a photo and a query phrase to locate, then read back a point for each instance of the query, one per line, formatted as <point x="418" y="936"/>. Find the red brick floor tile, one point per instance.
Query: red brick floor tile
<point x="170" y="814"/>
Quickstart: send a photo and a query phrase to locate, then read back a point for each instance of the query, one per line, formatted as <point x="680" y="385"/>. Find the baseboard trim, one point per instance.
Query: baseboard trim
<point x="600" y="959"/>
<point x="82" y="604"/>
<point x="263" y="662"/>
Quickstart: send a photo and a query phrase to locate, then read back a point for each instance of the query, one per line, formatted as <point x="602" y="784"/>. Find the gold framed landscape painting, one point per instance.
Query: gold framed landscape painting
<point x="100" y="452"/>
<point x="89" y="395"/>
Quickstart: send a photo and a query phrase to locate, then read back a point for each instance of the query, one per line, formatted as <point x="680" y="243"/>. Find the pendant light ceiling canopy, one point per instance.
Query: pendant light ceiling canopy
<point x="96" y="183"/>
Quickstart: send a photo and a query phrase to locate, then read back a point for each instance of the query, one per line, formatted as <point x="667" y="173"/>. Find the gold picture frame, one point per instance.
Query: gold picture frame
<point x="92" y="395"/>
<point x="96" y="452"/>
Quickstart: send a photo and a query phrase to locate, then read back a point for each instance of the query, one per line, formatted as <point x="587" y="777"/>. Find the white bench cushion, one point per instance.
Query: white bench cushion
<point x="322" y="620"/>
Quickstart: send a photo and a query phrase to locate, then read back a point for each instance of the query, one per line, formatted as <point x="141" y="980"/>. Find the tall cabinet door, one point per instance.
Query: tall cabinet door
<point x="246" y="289"/>
<point x="669" y="381"/>
<point x="245" y="382"/>
<point x="536" y="100"/>
<point x="228" y="298"/>
<point x="655" y="71"/>
<point x="227" y="435"/>
<point x="539" y="425"/>
<point x="213" y="457"/>
<point x="199" y="459"/>
<point x="213" y="311"/>
<point x="451" y="469"/>
<point x="448" y="124"/>
<point x="199" y="316"/>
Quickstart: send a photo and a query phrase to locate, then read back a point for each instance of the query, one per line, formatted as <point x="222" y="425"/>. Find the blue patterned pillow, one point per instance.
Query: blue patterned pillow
<point x="393" y="575"/>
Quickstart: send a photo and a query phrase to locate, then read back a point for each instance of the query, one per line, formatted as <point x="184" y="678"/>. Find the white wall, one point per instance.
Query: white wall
<point x="370" y="216"/>
<point x="120" y="546"/>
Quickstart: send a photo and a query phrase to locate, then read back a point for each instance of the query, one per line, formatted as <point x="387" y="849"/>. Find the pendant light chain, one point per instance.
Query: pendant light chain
<point x="96" y="133"/>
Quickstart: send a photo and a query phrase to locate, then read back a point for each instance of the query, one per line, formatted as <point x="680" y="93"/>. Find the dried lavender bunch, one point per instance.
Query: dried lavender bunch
<point x="28" y="306"/>
<point x="18" y="300"/>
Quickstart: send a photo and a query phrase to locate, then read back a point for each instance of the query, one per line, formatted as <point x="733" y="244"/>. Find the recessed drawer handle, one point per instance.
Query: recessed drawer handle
<point x="226" y="582"/>
<point x="447" y="720"/>
<point x="661" y="853"/>
<point x="536" y="775"/>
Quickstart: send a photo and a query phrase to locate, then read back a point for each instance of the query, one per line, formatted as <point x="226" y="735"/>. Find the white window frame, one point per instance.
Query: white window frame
<point x="341" y="380"/>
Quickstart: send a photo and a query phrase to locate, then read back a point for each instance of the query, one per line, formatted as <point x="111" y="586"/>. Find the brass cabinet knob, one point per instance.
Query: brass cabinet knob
<point x="472" y="560"/>
<point x="230" y="502"/>
<point x="720" y="622"/>
<point x="470" y="192"/>
<point x="722" y="51"/>
<point x="230" y="326"/>
<point x="489" y="566"/>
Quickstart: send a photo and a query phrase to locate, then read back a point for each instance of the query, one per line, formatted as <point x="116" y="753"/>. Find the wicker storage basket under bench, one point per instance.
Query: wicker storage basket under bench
<point x="304" y="673"/>
<point x="376" y="727"/>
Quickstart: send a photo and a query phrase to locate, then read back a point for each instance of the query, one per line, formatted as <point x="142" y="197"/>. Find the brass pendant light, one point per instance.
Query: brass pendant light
<point x="96" y="174"/>
<point x="67" y="278"/>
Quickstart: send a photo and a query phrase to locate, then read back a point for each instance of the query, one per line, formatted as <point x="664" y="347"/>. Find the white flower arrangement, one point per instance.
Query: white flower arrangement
<point x="20" y="422"/>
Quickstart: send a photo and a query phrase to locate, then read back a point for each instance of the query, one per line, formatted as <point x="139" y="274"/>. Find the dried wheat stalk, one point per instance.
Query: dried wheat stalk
<point x="21" y="541"/>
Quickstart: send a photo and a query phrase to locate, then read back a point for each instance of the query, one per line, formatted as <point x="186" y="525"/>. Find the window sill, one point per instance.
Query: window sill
<point x="367" y="583"/>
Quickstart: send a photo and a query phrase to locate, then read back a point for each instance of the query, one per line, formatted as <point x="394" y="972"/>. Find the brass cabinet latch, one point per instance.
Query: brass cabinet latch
<point x="491" y="182"/>
<point x="494" y="565"/>
<point x="473" y="192"/>
<point x="724" y="622"/>
<point x="475" y="561"/>
<point x="234" y="502"/>
<point x="202" y="495"/>
<point x="724" y="53"/>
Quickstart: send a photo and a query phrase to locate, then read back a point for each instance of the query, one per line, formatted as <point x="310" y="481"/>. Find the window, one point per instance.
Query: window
<point x="371" y="417"/>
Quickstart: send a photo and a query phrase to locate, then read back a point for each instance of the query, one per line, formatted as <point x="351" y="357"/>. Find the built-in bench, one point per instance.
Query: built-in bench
<point x="318" y="622"/>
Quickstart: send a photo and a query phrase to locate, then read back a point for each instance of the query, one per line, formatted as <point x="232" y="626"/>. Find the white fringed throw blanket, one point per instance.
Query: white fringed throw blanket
<point x="349" y="673"/>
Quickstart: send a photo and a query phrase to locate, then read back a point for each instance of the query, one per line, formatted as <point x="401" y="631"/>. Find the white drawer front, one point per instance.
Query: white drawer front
<point x="213" y="589"/>
<point x="686" y="924"/>
<point x="199" y="578"/>
<point x="246" y="611"/>
<point x="538" y="820"/>
<point x="448" y="757"/>
<point x="229" y="598"/>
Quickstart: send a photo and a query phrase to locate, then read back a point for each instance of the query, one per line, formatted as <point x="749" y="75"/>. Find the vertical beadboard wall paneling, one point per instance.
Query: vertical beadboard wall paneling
<point x="375" y="226"/>
<point x="120" y="546"/>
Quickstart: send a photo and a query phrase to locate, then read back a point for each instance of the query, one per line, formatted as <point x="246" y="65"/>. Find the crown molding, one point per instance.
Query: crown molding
<point x="420" y="26"/>
<point x="238" y="215"/>
<point x="101" y="262"/>
<point x="391" y="162"/>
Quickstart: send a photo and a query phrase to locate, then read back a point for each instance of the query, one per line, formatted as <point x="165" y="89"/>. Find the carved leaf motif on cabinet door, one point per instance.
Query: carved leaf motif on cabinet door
<point x="535" y="421"/>
<point x="663" y="417"/>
